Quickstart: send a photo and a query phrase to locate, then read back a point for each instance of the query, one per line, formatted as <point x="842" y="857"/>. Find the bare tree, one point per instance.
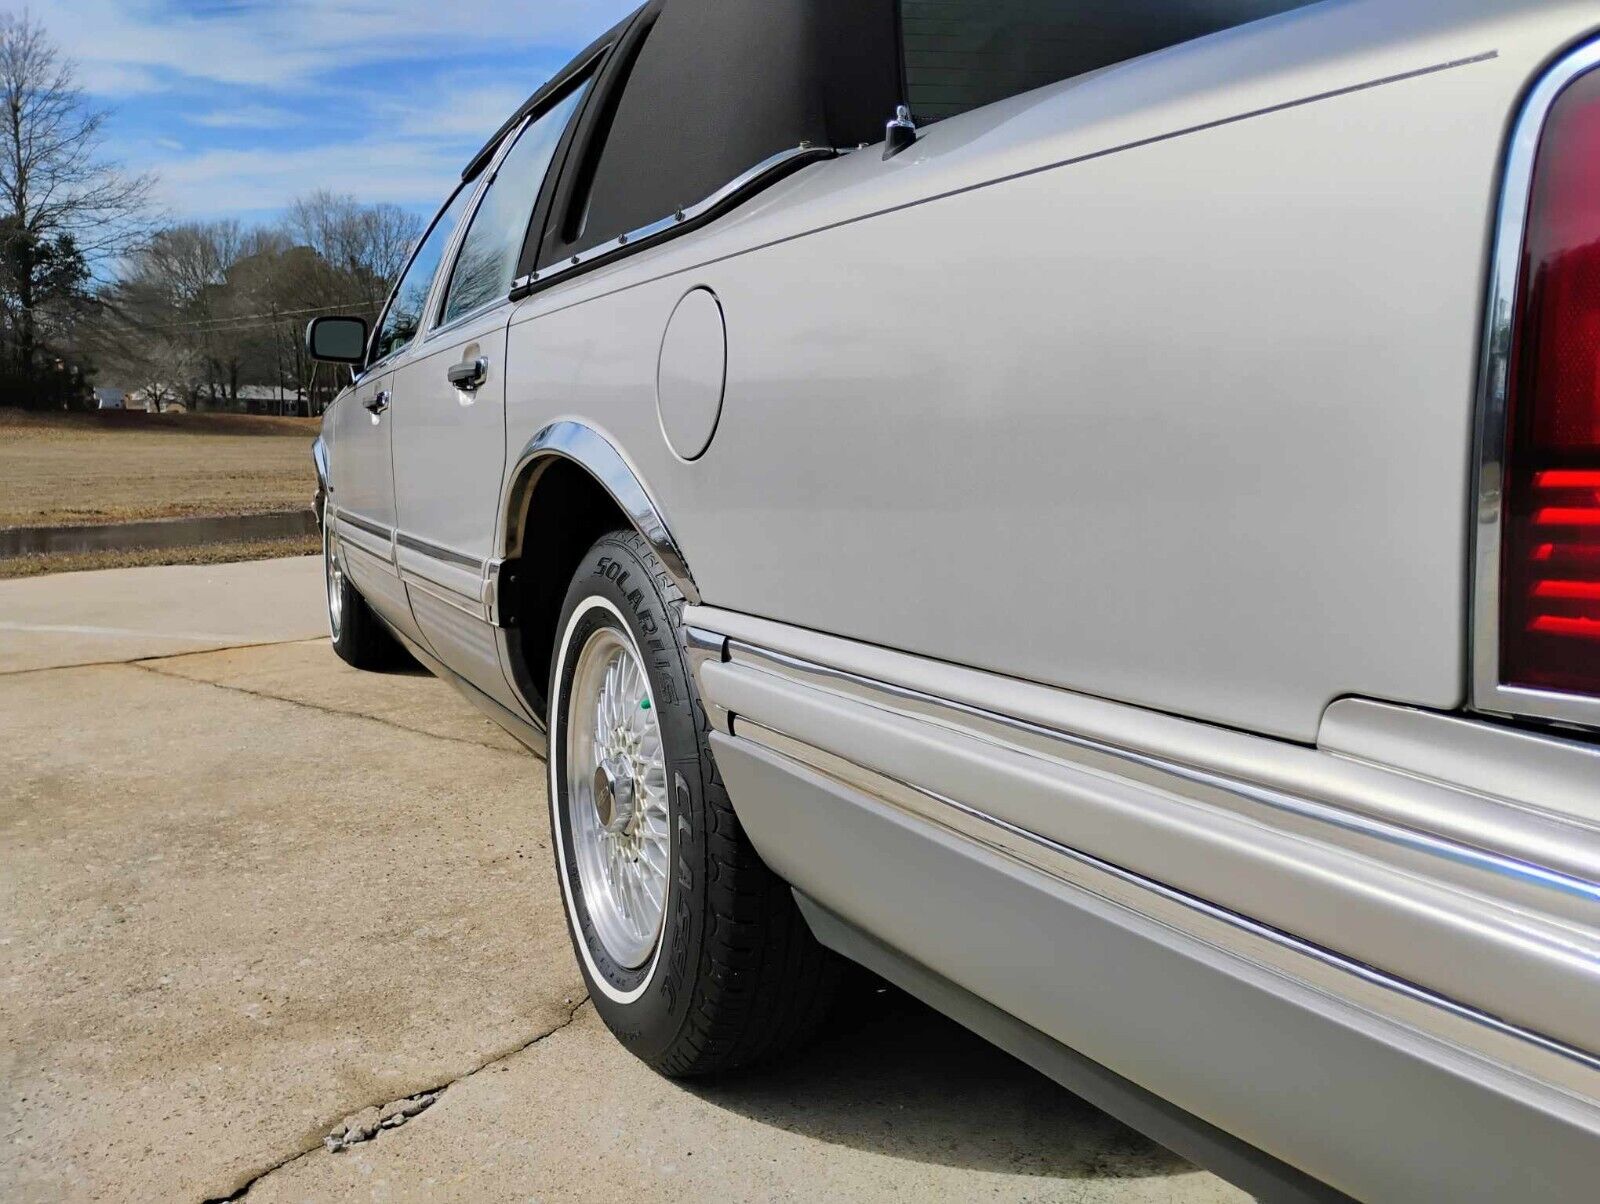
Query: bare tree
<point x="203" y="308"/>
<point x="364" y="245"/>
<point x="62" y="206"/>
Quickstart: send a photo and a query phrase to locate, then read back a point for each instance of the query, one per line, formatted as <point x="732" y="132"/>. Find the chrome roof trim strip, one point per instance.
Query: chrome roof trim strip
<point x="762" y="173"/>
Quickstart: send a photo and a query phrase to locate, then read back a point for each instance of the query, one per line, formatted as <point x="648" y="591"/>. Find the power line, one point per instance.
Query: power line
<point x="208" y="325"/>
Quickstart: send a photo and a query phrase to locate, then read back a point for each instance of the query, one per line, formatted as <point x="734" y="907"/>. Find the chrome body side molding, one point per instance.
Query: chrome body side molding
<point x="1491" y="951"/>
<point x="707" y="646"/>
<point x="1378" y="1107"/>
<point x="374" y="539"/>
<point x="439" y="552"/>
<point x="1537" y="770"/>
<point x="376" y="530"/>
<point x="1489" y="693"/>
<point x="592" y="451"/>
<point x="1146" y="895"/>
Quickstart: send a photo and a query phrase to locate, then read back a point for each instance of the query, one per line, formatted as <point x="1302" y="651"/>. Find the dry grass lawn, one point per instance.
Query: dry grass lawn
<point x="211" y="553"/>
<point x="64" y="469"/>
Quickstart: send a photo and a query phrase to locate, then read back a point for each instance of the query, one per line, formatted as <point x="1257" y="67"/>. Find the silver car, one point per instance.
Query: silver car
<point x="1091" y="511"/>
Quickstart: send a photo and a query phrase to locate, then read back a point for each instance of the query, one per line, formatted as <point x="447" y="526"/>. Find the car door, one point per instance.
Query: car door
<point x="363" y="459"/>
<point x="361" y="500"/>
<point x="449" y="425"/>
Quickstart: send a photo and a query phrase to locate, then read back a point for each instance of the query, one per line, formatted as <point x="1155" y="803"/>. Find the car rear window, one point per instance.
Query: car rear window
<point x="960" y="54"/>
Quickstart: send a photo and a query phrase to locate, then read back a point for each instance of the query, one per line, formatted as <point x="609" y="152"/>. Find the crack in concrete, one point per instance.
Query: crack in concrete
<point x="161" y="656"/>
<point x="149" y="666"/>
<point x="431" y="1094"/>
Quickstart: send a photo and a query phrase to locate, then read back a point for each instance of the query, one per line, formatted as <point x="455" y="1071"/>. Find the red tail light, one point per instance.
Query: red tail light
<point x="1550" y="568"/>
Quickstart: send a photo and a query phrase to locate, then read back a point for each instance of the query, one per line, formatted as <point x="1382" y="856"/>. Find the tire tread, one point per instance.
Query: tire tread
<point x="765" y="984"/>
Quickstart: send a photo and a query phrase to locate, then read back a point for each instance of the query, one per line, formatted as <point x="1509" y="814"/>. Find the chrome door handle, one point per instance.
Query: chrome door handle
<point x="378" y="402"/>
<point x="470" y="375"/>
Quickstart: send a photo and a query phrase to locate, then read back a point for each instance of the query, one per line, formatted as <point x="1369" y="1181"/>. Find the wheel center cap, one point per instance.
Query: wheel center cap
<point x="613" y="793"/>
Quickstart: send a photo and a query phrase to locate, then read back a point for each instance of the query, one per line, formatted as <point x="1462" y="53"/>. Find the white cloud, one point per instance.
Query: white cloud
<point x="459" y="110"/>
<point x="246" y="117"/>
<point x="401" y="170"/>
<point x="394" y="90"/>
<point x="118" y="79"/>
<point x="280" y="44"/>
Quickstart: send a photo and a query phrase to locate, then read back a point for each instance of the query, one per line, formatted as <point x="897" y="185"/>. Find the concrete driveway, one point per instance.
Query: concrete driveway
<point x="252" y="898"/>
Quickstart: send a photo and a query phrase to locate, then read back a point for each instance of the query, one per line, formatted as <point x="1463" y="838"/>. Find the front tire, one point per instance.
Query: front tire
<point x="358" y="635"/>
<point x="694" y="952"/>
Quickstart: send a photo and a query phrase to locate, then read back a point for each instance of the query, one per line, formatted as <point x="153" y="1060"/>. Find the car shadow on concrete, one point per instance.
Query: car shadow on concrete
<point x="893" y="1076"/>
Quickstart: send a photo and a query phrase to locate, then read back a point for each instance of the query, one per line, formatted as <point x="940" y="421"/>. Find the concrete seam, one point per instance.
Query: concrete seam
<point x="438" y="1090"/>
<point x="163" y="656"/>
<point x="149" y="666"/>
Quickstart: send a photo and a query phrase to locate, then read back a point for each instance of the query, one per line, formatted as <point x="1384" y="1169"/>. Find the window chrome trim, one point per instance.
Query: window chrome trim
<point x="578" y="82"/>
<point x="473" y="187"/>
<point x="439" y="290"/>
<point x="765" y="172"/>
<point x="1488" y="692"/>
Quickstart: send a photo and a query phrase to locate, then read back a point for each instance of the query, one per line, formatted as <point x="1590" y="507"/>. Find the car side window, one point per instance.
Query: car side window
<point x="487" y="261"/>
<point x="960" y="54"/>
<point x="403" y="318"/>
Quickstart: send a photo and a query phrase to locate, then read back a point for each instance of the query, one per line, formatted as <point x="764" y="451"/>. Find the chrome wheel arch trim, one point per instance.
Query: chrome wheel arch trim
<point x="319" y="457"/>
<point x="583" y="445"/>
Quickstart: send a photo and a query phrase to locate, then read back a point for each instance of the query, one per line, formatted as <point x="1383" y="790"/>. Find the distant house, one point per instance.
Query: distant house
<point x="269" y="397"/>
<point x="168" y="399"/>
<point x="153" y="400"/>
<point x="110" y="399"/>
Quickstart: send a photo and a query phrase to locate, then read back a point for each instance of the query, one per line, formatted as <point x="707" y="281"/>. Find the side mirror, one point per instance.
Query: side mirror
<point x="337" y="340"/>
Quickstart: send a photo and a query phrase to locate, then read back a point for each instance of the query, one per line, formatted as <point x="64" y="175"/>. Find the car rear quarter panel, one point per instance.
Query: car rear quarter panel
<point x="1156" y="384"/>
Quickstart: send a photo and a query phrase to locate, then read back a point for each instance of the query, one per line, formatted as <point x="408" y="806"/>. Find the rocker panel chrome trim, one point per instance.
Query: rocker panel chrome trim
<point x="1125" y="887"/>
<point x="1387" y="831"/>
<point x="1546" y="915"/>
<point x="364" y="524"/>
<point x="530" y="735"/>
<point x="1517" y="832"/>
<point x="439" y="552"/>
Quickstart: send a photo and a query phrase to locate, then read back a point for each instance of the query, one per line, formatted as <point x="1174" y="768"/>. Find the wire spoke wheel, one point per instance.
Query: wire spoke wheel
<point x="334" y="575"/>
<point x="616" y="794"/>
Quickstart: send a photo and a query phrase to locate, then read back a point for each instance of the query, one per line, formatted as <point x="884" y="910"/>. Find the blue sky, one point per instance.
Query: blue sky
<point x="238" y="106"/>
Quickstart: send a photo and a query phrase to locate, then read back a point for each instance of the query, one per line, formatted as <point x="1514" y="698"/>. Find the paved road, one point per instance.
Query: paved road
<point x="249" y="893"/>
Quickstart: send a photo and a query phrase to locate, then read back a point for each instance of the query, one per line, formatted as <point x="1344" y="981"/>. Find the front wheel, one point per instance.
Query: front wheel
<point x="694" y="952"/>
<point x="358" y="635"/>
